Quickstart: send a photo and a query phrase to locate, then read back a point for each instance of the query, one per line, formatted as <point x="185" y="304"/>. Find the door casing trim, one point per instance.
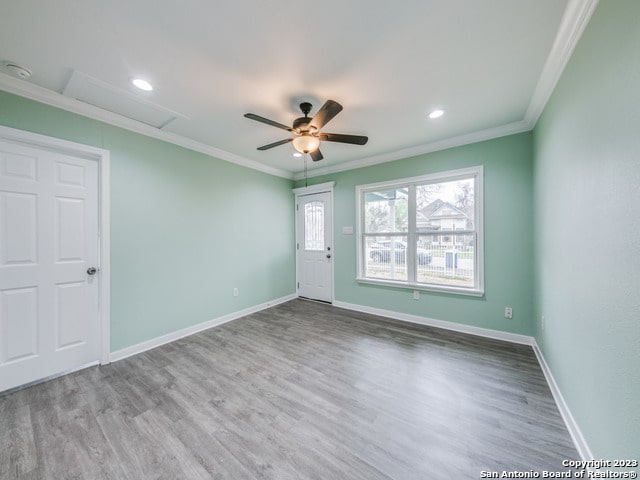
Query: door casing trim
<point x="100" y="155"/>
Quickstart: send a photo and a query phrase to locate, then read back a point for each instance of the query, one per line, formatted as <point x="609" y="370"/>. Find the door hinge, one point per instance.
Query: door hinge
<point x="297" y="207"/>
<point x="297" y="246"/>
<point x="298" y="285"/>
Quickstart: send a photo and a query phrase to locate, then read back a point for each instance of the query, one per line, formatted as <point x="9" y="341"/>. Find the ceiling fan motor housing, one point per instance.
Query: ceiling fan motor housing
<point x="301" y="124"/>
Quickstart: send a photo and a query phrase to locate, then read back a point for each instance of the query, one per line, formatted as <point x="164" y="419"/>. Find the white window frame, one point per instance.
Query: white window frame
<point x="477" y="173"/>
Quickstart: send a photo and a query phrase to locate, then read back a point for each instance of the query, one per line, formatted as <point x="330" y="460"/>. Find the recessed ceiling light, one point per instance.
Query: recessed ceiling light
<point x="142" y="84"/>
<point x="436" y="114"/>
<point x="297" y="154"/>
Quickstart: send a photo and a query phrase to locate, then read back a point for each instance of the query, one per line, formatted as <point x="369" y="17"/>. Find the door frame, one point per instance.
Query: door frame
<point x="326" y="187"/>
<point x="100" y="155"/>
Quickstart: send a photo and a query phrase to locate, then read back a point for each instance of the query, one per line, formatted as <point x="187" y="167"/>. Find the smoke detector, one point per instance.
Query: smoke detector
<point x="17" y="70"/>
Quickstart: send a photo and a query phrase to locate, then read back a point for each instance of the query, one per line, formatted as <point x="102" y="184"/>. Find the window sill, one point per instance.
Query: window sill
<point x="419" y="286"/>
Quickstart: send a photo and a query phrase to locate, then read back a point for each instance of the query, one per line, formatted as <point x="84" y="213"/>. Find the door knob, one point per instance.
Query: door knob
<point x="92" y="270"/>
<point x="328" y="255"/>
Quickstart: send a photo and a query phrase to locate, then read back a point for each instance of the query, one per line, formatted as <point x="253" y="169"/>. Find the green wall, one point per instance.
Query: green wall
<point x="186" y="228"/>
<point x="562" y="230"/>
<point x="508" y="235"/>
<point x="587" y="231"/>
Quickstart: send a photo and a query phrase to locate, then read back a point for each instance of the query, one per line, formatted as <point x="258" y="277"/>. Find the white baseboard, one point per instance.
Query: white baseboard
<point x="574" y="430"/>
<point x="456" y="327"/>
<point x="185" y="332"/>
<point x="576" y="434"/>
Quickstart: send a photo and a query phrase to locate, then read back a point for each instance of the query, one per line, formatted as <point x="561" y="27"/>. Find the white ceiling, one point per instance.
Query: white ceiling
<point x="490" y="64"/>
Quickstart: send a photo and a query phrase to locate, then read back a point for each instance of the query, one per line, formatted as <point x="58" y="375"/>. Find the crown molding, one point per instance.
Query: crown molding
<point x="54" y="99"/>
<point x="34" y="92"/>
<point x="479" y="136"/>
<point x="574" y="21"/>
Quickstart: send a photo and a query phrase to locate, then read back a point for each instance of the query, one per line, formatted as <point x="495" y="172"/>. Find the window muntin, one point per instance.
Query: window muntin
<point x="423" y="232"/>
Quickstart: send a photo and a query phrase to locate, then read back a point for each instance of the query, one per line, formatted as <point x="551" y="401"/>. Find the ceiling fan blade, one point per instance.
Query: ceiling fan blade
<point x="329" y="110"/>
<point x="338" y="137"/>
<point x="258" y="118"/>
<point x="316" y="155"/>
<point x="275" y="144"/>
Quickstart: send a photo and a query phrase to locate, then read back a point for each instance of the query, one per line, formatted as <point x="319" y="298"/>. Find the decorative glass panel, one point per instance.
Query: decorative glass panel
<point x="314" y="226"/>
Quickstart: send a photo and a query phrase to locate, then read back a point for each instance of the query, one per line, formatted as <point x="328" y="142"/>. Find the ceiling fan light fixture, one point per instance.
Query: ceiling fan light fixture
<point x="306" y="143"/>
<point x="436" y="114"/>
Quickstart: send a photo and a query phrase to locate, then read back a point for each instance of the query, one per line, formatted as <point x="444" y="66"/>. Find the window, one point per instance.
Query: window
<point x="423" y="232"/>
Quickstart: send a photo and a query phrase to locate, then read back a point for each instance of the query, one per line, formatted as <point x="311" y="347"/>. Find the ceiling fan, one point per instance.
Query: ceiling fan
<point x="307" y="130"/>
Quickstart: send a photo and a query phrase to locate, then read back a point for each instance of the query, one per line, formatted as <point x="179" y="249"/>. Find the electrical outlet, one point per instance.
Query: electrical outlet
<point x="235" y="292"/>
<point x="508" y="312"/>
<point x="542" y="322"/>
<point x="416" y="295"/>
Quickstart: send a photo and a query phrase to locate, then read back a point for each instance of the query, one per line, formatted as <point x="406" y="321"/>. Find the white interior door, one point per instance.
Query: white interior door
<point x="48" y="245"/>
<point x="314" y="244"/>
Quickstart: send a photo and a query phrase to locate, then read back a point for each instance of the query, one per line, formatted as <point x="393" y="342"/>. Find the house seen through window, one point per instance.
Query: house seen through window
<point x="423" y="232"/>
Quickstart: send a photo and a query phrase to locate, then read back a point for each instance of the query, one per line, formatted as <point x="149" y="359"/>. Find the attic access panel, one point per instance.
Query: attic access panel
<point x="113" y="99"/>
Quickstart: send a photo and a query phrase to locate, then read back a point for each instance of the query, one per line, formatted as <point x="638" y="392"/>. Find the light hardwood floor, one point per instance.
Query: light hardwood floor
<point x="299" y="391"/>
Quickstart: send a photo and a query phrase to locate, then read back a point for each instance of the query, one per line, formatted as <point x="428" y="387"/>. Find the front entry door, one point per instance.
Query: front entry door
<point x="48" y="250"/>
<point x="314" y="246"/>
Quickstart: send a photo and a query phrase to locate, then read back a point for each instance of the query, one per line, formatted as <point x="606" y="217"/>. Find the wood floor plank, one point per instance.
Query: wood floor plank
<point x="17" y="457"/>
<point x="55" y="451"/>
<point x="298" y="391"/>
<point x="96" y="457"/>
